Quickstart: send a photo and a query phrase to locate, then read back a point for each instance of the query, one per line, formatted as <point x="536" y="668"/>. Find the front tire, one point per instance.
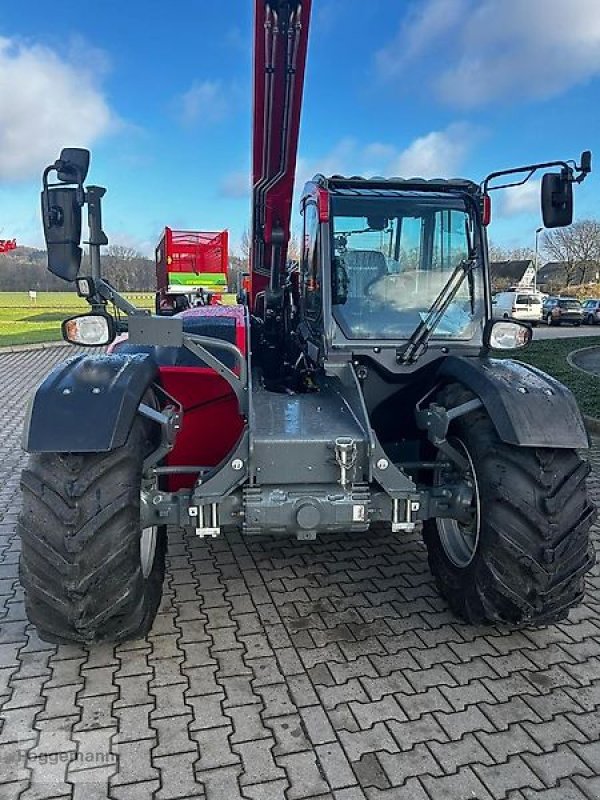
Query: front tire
<point x="89" y="572"/>
<point x="526" y="560"/>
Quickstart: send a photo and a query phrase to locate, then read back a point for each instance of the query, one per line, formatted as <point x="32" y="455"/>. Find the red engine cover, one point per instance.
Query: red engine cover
<point x="211" y="420"/>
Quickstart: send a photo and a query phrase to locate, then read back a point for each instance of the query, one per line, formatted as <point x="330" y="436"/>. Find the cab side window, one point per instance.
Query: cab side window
<point x="310" y="266"/>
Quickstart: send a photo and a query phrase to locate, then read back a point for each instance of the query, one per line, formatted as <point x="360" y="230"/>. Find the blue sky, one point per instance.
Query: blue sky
<point x="161" y="93"/>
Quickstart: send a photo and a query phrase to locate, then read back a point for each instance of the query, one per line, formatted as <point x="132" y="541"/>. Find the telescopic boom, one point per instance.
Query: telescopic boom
<point x="280" y="43"/>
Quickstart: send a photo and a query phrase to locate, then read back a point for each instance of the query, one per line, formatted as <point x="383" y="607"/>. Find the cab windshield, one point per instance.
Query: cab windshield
<point x="391" y="258"/>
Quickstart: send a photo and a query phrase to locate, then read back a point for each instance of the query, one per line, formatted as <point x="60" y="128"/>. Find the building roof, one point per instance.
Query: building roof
<point x="509" y="269"/>
<point x="553" y="271"/>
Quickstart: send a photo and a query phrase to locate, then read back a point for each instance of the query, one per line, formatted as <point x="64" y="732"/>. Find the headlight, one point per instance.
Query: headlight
<point x="89" y="330"/>
<point x="506" y="335"/>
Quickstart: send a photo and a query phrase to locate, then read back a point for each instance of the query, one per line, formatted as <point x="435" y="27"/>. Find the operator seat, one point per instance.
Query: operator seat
<point x="364" y="268"/>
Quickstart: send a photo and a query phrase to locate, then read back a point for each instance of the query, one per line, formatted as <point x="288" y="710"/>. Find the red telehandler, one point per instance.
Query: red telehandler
<point x="357" y="390"/>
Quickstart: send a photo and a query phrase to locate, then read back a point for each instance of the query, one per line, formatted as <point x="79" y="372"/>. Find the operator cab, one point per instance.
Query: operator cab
<point x="376" y="256"/>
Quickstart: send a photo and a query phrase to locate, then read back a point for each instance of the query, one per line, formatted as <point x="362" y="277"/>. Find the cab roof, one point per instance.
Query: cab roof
<point x="378" y="186"/>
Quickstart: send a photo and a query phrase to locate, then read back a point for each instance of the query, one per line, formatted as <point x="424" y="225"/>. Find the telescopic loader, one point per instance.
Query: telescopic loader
<point x="356" y="391"/>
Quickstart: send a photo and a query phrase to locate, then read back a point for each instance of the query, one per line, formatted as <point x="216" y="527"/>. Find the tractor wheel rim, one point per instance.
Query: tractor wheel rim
<point x="148" y="549"/>
<point x="460" y="540"/>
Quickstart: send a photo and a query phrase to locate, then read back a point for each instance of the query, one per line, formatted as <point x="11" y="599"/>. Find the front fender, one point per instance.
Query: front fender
<point x="87" y="404"/>
<point x="527" y="407"/>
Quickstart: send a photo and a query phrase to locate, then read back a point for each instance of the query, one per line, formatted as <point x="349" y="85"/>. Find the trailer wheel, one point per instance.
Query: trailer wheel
<point x="89" y="572"/>
<point x="523" y="556"/>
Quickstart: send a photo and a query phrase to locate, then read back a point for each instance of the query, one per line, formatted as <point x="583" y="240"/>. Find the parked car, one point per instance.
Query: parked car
<point x="591" y="312"/>
<point x="525" y="306"/>
<point x="557" y="310"/>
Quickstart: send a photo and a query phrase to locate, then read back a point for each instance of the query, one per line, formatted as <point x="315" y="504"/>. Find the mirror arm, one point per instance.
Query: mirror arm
<point x="584" y="168"/>
<point x="530" y="169"/>
<point x="108" y="294"/>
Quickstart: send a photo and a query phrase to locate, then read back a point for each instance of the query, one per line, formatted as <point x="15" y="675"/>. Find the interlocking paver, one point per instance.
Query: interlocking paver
<point x="135" y="762"/>
<point x="502" y="744"/>
<point x="562" y="763"/>
<point x="500" y="779"/>
<point x="271" y="790"/>
<point x="400" y="766"/>
<point x="289" y="734"/>
<point x="303" y="774"/>
<point x="328" y="670"/>
<point x="215" y="748"/>
<point x="317" y="725"/>
<point x="259" y="761"/>
<point x="177" y="777"/>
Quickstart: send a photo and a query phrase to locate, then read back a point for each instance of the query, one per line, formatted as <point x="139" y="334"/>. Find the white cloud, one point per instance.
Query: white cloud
<point x="379" y="152"/>
<point x="419" y="32"/>
<point x="205" y="101"/>
<point x="497" y="49"/>
<point x="523" y="199"/>
<point x="437" y="154"/>
<point x="47" y="103"/>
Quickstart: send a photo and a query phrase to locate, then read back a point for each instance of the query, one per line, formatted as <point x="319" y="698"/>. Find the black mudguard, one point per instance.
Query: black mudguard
<point x="527" y="407"/>
<point x="88" y="404"/>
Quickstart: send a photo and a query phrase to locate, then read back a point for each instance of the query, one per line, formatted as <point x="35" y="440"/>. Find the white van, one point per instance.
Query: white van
<point x="523" y="305"/>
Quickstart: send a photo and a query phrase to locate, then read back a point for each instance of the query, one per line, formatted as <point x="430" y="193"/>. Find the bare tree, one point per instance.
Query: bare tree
<point x="245" y="245"/>
<point x="577" y="248"/>
<point x="521" y="254"/>
<point x="235" y="270"/>
<point x="497" y="252"/>
<point x="293" y="251"/>
<point x="128" y="269"/>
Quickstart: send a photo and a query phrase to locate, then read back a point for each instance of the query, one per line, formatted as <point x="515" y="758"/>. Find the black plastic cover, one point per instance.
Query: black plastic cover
<point x="88" y="404"/>
<point x="215" y="326"/>
<point x="528" y="407"/>
<point x="63" y="232"/>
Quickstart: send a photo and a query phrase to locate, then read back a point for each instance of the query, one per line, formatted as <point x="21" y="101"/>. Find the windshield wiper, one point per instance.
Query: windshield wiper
<point x="417" y="344"/>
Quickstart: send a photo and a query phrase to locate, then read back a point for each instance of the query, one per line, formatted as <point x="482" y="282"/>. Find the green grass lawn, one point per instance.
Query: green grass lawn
<point x="551" y="357"/>
<point x="23" y="321"/>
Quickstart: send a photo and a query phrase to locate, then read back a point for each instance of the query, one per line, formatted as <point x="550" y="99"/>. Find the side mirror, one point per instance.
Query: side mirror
<point x="73" y="164"/>
<point x="61" y="215"/>
<point x="557" y="199"/>
<point x="89" y="330"/>
<point x="586" y="162"/>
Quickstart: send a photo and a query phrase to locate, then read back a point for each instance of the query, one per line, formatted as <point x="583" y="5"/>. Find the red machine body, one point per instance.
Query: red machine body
<point x="211" y="425"/>
<point x="7" y="244"/>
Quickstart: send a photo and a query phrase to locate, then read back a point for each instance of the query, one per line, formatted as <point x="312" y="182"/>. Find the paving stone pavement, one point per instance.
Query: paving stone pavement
<point x="283" y="669"/>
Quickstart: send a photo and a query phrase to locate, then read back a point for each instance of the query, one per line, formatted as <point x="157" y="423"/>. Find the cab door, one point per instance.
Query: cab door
<point x="311" y="282"/>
